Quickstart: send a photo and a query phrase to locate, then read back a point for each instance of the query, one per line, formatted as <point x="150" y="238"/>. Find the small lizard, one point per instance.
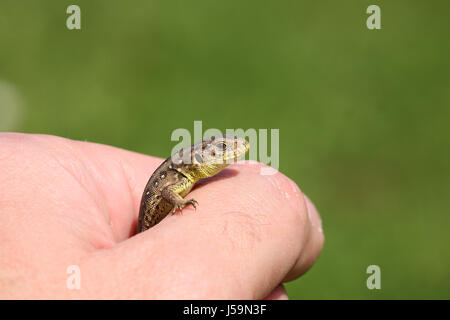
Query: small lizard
<point x="178" y="174"/>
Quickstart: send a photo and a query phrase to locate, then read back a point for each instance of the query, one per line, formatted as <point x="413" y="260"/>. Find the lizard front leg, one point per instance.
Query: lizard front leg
<point x="172" y="195"/>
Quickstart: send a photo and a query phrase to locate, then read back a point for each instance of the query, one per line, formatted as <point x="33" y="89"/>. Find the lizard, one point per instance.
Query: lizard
<point x="178" y="174"/>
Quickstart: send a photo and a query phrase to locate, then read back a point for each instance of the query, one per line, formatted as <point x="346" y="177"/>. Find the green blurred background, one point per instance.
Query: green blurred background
<point x="363" y="114"/>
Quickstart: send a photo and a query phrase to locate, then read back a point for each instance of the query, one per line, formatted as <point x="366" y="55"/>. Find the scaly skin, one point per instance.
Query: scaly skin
<point x="178" y="174"/>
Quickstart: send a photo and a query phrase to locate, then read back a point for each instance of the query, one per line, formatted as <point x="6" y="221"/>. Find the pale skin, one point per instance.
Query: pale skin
<point x="65" y="202"/>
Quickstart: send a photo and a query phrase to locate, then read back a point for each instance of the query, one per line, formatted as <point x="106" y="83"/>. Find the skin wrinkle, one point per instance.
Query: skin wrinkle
<point x="109" y="211"/>
<point x="75" y="177"/>
<point x="247" y="231"/>
<point x="86" y="181"/>
<point x="132" y="199"/>
<point x="81" y="220"/>
<point x="95" y="175"/>
<point x="98" y="240"/>
<point x="11" y="142"/>
<point x="11" y="172"/>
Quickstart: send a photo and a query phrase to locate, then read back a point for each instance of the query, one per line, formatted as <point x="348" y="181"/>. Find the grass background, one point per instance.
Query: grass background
<point x="363" y="114"/>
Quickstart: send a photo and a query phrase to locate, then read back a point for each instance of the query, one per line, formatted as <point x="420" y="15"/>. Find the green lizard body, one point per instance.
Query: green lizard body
<point x="178" y="174"/>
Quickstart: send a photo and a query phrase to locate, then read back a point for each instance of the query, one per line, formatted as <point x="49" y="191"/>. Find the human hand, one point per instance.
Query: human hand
<point x="65" y="202"/>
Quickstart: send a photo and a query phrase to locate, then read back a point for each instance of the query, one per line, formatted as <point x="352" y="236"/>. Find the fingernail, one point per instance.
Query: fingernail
<point x="313" y="214"/>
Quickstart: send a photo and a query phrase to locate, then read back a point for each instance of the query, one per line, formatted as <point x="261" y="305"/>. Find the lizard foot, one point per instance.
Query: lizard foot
<point x="181" y="205"/>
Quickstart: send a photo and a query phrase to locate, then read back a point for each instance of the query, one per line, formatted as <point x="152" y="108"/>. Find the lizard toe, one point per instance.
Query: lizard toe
<point x="193" y="202"/>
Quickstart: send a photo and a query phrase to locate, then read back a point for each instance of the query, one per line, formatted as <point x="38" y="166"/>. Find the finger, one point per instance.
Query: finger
<point x="279" y="293"/>
<point x="313" y="245"/>
<point x="246" y="237"/>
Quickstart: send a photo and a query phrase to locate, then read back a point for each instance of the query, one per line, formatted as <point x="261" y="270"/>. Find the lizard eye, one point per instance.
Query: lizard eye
<point x="221" y="145"/>
<point x="198" y="158"/>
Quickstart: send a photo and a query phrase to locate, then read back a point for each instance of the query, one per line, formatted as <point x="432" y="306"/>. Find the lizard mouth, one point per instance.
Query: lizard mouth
<point x="241" y="147"/>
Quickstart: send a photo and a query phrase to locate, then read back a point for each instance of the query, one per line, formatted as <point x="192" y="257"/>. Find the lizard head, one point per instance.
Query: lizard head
<point x="222" y="149"/>
<point x="211" y="155"/>
<point x="217" y="152"/>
